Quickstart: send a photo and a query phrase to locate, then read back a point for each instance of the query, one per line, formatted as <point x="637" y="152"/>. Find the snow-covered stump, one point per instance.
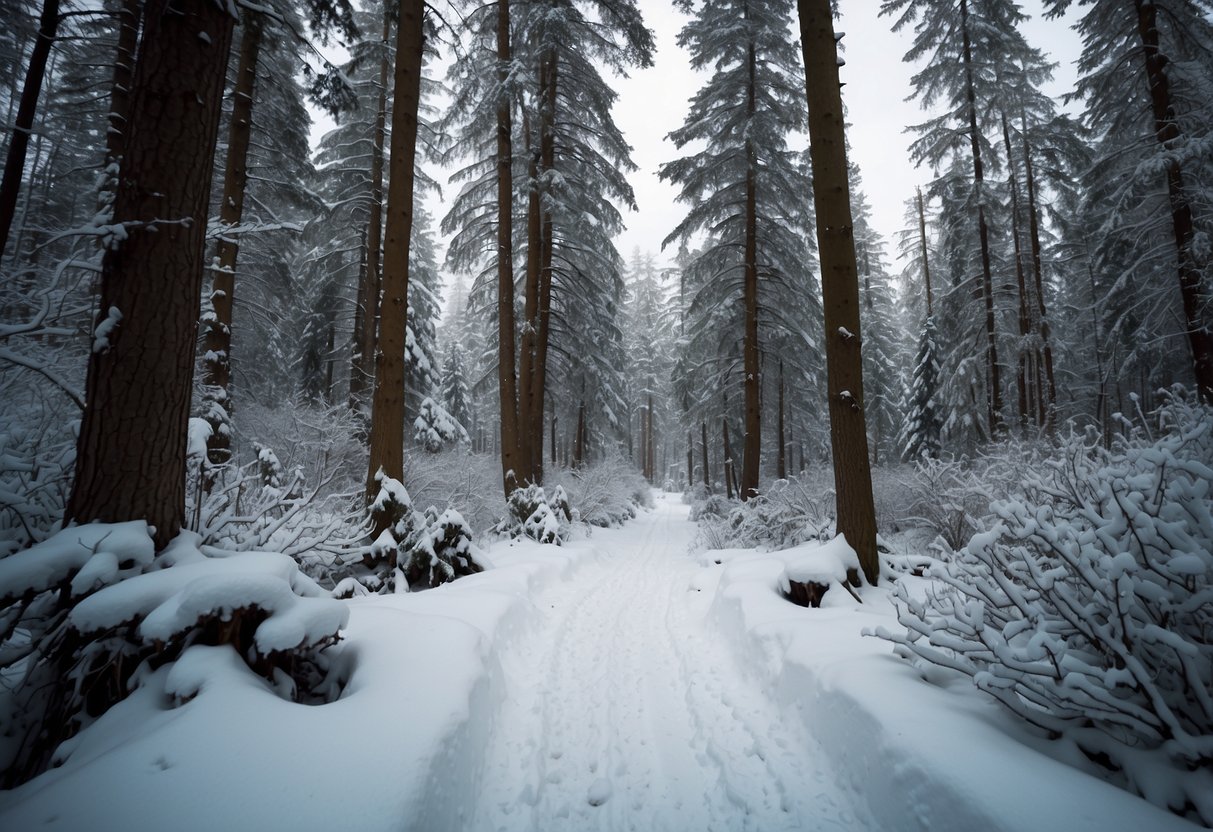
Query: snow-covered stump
<point x="810" y="570"/>
<point x="87" y="611"/>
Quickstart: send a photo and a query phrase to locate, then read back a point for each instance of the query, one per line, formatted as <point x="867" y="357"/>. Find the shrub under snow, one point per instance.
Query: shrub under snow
<point x="1087" y="609"/>
<point x="85" y="610"/>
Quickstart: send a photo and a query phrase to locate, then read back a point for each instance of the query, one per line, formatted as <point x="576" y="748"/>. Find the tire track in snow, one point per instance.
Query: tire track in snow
<point x="622" y="712"/>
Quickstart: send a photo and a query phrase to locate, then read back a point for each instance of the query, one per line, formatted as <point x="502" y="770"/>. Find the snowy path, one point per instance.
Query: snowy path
<point x="623" y="712"/>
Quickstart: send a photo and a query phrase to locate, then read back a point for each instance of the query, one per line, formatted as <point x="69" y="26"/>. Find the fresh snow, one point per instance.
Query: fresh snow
<point x="617" y="682"/>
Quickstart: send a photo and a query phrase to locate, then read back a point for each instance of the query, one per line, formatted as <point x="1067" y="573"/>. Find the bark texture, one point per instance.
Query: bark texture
<point x="507" y="383"/>
<point x="387" y="408"/>
<point x="839" y="285"/>
<point x="131" y="452"/>
<point x="217" y="328"/>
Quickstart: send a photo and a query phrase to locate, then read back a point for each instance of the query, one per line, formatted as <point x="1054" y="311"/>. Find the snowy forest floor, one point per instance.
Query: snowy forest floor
<point x="622" y="681"/>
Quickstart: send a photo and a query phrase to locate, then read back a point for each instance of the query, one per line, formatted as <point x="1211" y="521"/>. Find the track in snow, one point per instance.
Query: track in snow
<point x="623" y="712"/>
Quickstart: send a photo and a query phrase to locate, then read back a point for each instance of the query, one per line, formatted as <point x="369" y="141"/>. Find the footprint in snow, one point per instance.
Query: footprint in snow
<point x="600" y="792"/>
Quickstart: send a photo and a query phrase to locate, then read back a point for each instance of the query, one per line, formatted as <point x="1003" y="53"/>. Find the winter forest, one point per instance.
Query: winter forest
<point x="527" y="415"/>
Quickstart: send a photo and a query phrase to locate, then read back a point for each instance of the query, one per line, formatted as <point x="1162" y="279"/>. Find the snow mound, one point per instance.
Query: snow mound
<point x="118" y="548"/>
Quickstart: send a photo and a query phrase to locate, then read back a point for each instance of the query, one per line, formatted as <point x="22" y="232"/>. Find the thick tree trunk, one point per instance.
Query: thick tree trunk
<point x="753" y="375"/>
<point x="1167" y="133"/>
<point x="507" y="383"/>
<point x="130" y="461"/>
<point x="994" y="391"/>
<point x="362" y="366"/>
<point x="387" y="409"/>
<point x="14" y="164"/>
<point x="217" y="328"/>
<point x="839" y="285"/>
<point x="579" y="443"/>
<point x="547" y="150"/>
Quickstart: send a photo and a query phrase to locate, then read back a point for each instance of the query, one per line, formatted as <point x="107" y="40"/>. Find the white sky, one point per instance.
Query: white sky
<point x="653" y="102"/>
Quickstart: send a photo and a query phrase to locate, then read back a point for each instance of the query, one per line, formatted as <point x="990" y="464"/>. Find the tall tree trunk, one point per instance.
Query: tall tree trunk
<point x="362" y="367"/>
<point x="555" y="459"/>
<point x="922" y="244"/>
<point x="782" y="471"/>
<point x="1042" y="322"/>
<point x="579" y="444"/>
<point x="14" y="164"/>
<point x="707" y="479"/>
<point x="120" y="87"/>
<point x="690" y="460"/>
<point x="753" y="375"/>
<point x="729" y="478"/>
<point x="217" y="327"/>
<point x="507" y="383"/>
<point x="650" y="447"/>
<point x="839" y="285"/>
<point x="994" y="391"/>
<point x="1021" y="283"/>
<point x="1167" y="133"/>
<point x="547" y="150"/>
<point x="130" y="460"/>
<point x="387" y="409"/>
<point x="534" y="267"/>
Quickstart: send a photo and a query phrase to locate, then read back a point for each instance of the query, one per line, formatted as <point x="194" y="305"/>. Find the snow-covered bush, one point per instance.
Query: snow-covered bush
<point x="440" y="551"/>
<point x="605" y="493"/>
<point x="1087" y="608"/>
<point x="467" y="482"/>
<point x="435" y="429"/>
<point x="260" y="506"/>
<point x="787" y="513"/>
<point x="87" y="610"/>
<point x="531" y="515"/>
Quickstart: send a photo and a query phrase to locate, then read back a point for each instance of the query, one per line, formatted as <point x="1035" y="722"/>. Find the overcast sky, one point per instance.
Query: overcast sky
<point x="653" y="102"/>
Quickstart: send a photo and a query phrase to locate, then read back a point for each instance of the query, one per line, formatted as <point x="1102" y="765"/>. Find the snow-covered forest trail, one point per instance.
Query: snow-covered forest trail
<point x="624" y="712"/>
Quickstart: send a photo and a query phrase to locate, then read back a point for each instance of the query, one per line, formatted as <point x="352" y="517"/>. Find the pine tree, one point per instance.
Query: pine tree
<point x="855" y="511"/>
<point x="141" y="366"/>
<point x="744" y="188"/>
<point x="1146" y="73"/>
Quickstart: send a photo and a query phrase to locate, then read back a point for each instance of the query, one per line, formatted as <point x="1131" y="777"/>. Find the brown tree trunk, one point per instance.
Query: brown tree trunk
<point x="1167" y="133"/>
<point x="362" y="367"/>
<point x="14" y="164"/>
<point x="753" y="376"/>
<point x="130" y="460"/>
<point x="217" y="328"/>
<point x="994" y="391"/>
<point x="507" y="383"/>
<point x="387" y="409"/>
<point x="839" y="285"/>
<point x="120" y="84"/>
